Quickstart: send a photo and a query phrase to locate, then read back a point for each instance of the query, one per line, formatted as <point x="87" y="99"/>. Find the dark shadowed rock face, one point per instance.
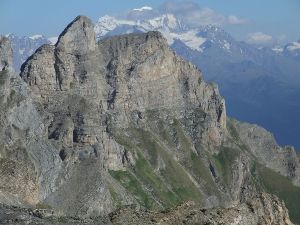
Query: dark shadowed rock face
<point x="94" y="126"/>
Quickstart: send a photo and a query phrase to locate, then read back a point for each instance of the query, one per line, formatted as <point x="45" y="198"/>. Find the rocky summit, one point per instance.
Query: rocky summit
<point x="90" y="127"/>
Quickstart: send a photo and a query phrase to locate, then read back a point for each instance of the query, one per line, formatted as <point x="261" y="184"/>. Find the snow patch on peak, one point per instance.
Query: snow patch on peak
<point x="10" y="35"/>
<point x="144" y="8"/>
<point x="106" y="18"/>
<point x="108" y="23"/>
<point x="35" y="37"/>
<point x="277" y="49"/>
<point x="165" y="21"/>
<point x="226" y="45"/>
<point x="212" y="28"/>
<point x="171" y="21"/>
<point x="53" y="40"/>
<point x="21" y="51"/>
<point x="293" y="46"/>
<point x="169" y="25"/>
<point x="189" y="38"/>
<point x="105" y="24"/>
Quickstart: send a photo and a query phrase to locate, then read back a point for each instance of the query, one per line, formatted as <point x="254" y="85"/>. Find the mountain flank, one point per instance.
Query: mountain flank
<point x="91" y="126"/>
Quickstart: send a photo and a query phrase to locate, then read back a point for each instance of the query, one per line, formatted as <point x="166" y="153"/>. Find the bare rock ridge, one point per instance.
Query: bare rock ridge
<point x="262" y="144"/>
<point x="264" y="209"/>
<point x="91" y="126"/>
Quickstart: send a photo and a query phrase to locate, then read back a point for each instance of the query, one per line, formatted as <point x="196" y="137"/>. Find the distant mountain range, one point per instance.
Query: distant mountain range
<point x="260" y="85"/>
<point x="23" y="47"/>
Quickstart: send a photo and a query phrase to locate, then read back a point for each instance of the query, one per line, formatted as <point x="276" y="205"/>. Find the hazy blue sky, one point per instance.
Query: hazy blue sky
<point x="257" y="19"/>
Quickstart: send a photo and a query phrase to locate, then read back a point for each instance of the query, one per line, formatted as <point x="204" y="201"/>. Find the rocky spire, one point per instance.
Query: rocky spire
<point x="78" y="37"/>
<point x="5" y="54"/>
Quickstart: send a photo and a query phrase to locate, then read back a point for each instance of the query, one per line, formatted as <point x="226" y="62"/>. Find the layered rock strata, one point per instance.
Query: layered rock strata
<point x="90" y="126"/>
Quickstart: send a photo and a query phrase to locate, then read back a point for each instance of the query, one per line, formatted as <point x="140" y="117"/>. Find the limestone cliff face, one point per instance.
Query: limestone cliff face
<point x="5" y="54"/>
<point x="89" y="127"/>
<point x="21" y="140"/>
<point x="85" y="91"/>
<point x="122" y="76"/>
<point x="143" y="74"/>
<point x="50" y="151"/>
<point x="263" y="145"/>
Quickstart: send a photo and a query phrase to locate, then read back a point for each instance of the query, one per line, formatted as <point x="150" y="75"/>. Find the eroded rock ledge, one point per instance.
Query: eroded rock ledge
<point x="265" y="209"/>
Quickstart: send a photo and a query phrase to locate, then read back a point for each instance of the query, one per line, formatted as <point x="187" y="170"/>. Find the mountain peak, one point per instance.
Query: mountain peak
<point x="78" y="37"/>
<point x="293" y="46"/>
<point x="105" y="24"/>
<point x="36" y="36"/>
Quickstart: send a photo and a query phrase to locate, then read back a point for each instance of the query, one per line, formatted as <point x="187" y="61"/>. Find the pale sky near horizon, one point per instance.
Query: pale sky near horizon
<point x="257" y="19"/>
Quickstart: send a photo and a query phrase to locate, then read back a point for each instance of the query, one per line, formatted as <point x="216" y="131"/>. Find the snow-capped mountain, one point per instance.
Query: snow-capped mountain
<point x="277" y="49"/>
<point x="170" y="26"/>
<point x="203" y="43"/>
<point x="174" y="29"/>
<point x="292" y="49"/>
<point x="23" y="47"/>
<point x="289" y="50"/>
<point x="254" y="81"/>
<point x="294" y="46"/>
<point x="194" y="43"/>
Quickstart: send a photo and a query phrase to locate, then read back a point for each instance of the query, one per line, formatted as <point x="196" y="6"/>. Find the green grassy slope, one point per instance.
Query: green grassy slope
<point x="268" y="180"/>
<point x="168" y="171"/>
<point x="281" y="186"/>
<point x="167" y="186"/>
